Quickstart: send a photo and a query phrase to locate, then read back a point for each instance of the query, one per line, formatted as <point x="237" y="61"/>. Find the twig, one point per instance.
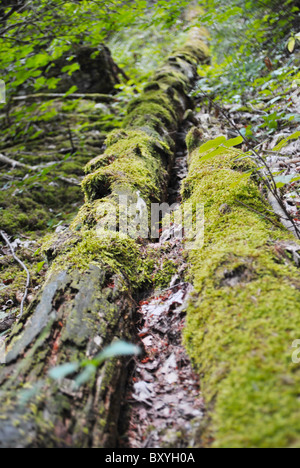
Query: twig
<point x="262" y="143"/>
<point x="274" y="153"/>
<point x="290" y="161"/>
<point x="71" y="181"/>
<point x="279" y="211"/>
<point x="14" y="164"/>
<point x="71" y="139"/>
<point x="5" y="238"/>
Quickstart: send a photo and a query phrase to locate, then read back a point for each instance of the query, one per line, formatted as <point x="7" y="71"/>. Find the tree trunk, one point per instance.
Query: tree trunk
<point x="87" y="300"/>
<point x="97" y="73"/>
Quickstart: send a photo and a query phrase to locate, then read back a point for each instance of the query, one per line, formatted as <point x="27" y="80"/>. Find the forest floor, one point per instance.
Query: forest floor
<point x="44" y="195"/>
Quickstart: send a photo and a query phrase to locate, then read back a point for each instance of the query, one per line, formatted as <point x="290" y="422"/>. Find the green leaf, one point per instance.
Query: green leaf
<point x="60" y="372"/>
<point x="88" y="372"/>
<point x="120" y="348"/>
<point x="234" y="142"/>
<point x="40" y="266"/>
<point x="281" y="181"/>
<point x="36" y="61"/>
<point x="217" y="145"/>
<point x="212" y="144"/>
<point x="284" y="142"/>
<point x="72" y="90"/>
<point x="71" y="68"/>
<point x="212" y="154"/>
<point x="291" y="44"/>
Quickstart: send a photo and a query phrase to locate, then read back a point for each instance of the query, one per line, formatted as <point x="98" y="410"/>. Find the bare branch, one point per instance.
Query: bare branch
<point x="14" y="163"/>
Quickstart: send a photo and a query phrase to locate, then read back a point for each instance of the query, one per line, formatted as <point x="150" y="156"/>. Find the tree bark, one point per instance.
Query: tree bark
<point x="87" y="300"/>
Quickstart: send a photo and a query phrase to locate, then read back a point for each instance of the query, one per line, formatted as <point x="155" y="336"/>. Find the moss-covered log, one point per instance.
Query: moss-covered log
<point x="87" y="302"/>
<point x="244" y="315"/>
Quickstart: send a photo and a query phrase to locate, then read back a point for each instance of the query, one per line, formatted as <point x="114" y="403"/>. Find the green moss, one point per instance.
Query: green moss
<point x="193" y="139"/>
<point x="32" y="205"/>
<point x="160" y="98"/>
<point x="21" y="213"/>
<point x="167" y="76"/>
<point x="115" y="251"/>
<point x="196" y="47"/>
<point x="127" y="144"/>
<point x="244" y="314"/>
<point x="152" y="86"/>
<point x="149" y="108"/>
<point x="136" y="162"/>
<point x="196" y="53"/>
<point x="99" y="161"/>
<point x="163" y="276"/>
<point x="115" y="136"/>
<point x="88" y="291"/>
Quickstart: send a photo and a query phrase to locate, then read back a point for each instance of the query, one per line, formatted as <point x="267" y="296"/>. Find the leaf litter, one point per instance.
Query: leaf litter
<point x="164" y="395"/>
<point x="163" y="400"/>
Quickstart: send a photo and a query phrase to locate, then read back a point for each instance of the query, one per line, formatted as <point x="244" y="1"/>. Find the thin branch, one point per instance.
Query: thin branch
<point x="92" y="96"/>
<point x="257" y="212"/>
<point x="278" y="210"/>
<point x="5" y="238"/>
<point x="14" y="163"/>
<point x="71" y="139"/>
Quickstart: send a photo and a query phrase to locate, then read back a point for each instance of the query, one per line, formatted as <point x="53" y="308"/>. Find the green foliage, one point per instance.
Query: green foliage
<point x="36" y="35"/>
<point x="217" y="145"/>
<point x="33" y="37"/>
<point x="249" y="40"/>
<point x="292" y="42"/>
<point x="285" y="141"/>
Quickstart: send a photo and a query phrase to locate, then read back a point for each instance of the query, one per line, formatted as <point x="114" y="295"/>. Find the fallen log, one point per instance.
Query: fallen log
<point x="243" y="318"/>
<point x="87" y="301"/>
